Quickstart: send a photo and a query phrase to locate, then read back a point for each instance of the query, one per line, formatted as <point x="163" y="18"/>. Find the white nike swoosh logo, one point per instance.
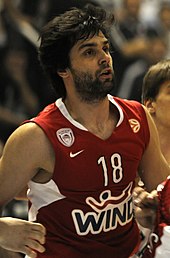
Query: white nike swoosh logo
<point x="72" y="155"/>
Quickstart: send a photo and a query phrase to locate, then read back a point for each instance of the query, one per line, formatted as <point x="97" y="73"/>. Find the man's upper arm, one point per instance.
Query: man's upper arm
<point x="22" y="157"/>
<point x="153" y="168"/>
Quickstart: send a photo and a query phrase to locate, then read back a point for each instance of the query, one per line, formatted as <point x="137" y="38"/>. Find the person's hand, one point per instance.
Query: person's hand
<point x="145" y="207"/>
<point x="22" y="236"/>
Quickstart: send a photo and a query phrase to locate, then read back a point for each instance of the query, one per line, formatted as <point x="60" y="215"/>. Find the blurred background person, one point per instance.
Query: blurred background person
<point x="131" y="86"/>
<point x="17" y="98"/>
<point x="133" y="42"/>
<point x="163" y="27"/>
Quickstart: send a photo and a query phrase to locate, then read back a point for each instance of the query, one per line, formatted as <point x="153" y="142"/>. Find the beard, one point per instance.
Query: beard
<point x="89" y="89"/>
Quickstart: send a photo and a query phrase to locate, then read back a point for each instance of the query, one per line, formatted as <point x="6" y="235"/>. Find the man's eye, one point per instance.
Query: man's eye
<point x="106" y="49"/>
<point x="89" y="52"/>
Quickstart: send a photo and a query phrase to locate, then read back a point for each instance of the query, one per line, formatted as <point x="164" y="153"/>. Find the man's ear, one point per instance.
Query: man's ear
<point x="150" y="105"/>
<point x="63" y="73"/>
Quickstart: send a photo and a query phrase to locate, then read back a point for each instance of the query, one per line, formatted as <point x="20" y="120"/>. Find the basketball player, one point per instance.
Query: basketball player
<point x="156" y="97"/>
<point x="80" y="155"/>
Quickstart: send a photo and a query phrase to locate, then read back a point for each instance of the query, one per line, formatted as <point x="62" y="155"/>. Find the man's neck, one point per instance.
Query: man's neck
<point x="100" y="118"/>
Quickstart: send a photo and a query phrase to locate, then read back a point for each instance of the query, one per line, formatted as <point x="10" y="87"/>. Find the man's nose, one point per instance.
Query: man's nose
<point x="105" y="58"/>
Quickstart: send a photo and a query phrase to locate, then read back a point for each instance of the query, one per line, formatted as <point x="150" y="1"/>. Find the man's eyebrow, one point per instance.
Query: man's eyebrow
<point x="92" y="44"/>
<point x="84" y="45"/>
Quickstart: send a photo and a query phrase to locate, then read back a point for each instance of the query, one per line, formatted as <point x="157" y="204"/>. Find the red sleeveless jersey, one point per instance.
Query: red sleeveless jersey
<point x="87" y="205"/>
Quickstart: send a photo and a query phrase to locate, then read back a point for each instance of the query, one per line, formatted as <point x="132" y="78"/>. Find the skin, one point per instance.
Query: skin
<point x="21" y="236"/>
<point x="19" y="165"/>
<point x="159" y="108"/>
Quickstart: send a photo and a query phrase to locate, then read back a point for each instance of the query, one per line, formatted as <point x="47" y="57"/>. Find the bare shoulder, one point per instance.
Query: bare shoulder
<point x="27" y="155"/>
<point x="30" y="130"/>
<point x="29" y="134"/>
<point x="29" y="143"/>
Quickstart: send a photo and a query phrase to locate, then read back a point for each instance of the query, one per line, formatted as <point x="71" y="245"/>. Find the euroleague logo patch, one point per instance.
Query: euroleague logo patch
<point x="135" y="125"/>
<point x="65" y="136"/>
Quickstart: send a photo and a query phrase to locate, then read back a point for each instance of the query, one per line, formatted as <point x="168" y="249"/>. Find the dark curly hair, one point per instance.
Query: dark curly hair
<point x="61" y="34"/>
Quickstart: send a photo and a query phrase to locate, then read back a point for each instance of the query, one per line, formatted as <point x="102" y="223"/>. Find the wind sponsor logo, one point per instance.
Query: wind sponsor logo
<point x="107" y="214"/>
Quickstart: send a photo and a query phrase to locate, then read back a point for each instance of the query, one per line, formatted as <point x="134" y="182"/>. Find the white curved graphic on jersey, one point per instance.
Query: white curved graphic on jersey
<point x="106" y="215"/>
<point x="135" y="125"/>
<point x="153" y="238"/>
<point x="106" y="199"/>
<point x="73" y="155"/>
<point x="65" y="136"/>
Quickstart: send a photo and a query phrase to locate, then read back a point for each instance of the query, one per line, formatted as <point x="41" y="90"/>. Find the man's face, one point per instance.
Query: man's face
<point x="91" y="68"/>
<point x="162" y="105"/>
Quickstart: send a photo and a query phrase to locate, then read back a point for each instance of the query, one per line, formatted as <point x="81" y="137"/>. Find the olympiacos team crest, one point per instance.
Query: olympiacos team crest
<point x="65" y="136"/>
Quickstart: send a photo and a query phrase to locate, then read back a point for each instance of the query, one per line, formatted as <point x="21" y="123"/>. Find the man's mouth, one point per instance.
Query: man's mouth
<point x="106" y="74"/>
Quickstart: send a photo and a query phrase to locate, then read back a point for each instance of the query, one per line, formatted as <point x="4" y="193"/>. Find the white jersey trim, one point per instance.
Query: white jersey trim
<point x="121" y="116"/>
<point x="60" y="104"/>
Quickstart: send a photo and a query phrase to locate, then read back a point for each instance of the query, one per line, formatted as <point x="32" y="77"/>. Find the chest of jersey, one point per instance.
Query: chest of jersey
<point x="92" y="163"/>
<point x="90" y="195"/>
